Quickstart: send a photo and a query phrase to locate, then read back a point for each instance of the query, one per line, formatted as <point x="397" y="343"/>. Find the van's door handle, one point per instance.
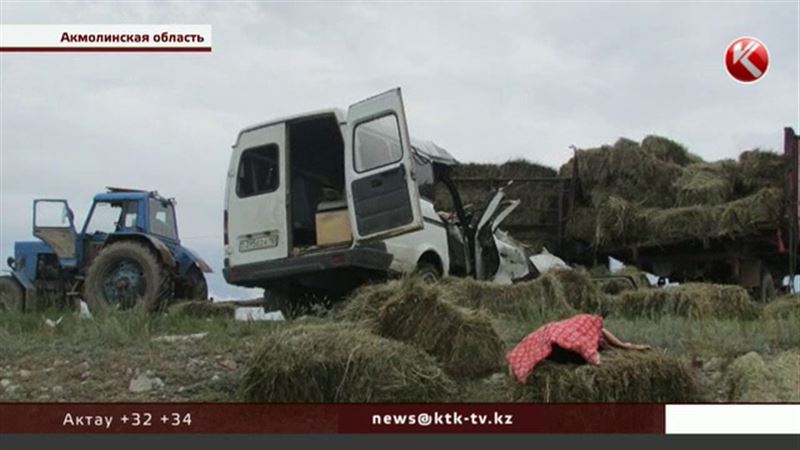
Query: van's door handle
<point x="376" y="183"/>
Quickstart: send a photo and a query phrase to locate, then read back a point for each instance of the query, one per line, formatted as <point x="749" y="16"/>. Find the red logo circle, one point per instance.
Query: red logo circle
<point x="747" y="59"/>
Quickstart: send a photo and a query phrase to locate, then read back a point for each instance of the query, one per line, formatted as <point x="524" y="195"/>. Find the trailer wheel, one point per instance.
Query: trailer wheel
<point x="127" y="275"/>
<point x="191" y="286"/>
<point x="768" y="290"/>
<point x="11" y="295"/>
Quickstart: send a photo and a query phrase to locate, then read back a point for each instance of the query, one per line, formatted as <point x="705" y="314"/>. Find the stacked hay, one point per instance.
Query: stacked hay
<point x="694" y="300"/>
<point x="203" y="309"/>
<point x="706" y="183"/>
<point x="759" y="169"/>
<point x="464" y="341"/>
<point x="666" y="149"/>
<point x="622" y="376"/>
<point x="787" y="307"/>
<point x="752" y="379"/>
<point x="626" y="171"/>
<point x="341" y="363"/>
<point x="658" y="193"/>
<point x="476" y="182"/>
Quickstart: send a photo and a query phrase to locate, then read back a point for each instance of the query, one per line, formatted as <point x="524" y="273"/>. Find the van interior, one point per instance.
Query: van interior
<point x="316" y="174"/>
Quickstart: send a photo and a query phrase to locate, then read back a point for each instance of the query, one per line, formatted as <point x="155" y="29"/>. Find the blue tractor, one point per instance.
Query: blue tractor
<point x="127" y="255"/>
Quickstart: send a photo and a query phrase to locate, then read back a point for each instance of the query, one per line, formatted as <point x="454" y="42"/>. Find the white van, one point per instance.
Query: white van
<point x="324" y="201"/>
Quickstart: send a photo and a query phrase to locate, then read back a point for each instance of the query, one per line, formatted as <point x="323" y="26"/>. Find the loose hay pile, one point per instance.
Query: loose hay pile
<point x="694" y="300"/>
<point x="622" y="376"/>
<point x="342" y="363"/>
<point x="412" y="311"/>
<point x="751" y="378"/>
<point x="203" y="309"/>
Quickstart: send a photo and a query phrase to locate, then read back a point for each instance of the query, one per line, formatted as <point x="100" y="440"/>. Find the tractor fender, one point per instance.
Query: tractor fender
<point x="197" y="261"/>
<point x="161" y="248"/>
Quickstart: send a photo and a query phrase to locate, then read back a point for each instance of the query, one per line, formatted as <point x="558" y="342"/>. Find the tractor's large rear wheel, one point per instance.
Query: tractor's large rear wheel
<point x="127" y="275"/>
<point x="12" y="295"/>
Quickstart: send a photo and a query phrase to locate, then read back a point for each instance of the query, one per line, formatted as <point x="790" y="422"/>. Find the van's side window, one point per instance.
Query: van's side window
<point x="258" y="171"/>
<point x="377" y="143"/>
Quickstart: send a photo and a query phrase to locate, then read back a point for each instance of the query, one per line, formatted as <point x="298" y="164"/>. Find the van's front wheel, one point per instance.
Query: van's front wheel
<point x="428" y="272"/>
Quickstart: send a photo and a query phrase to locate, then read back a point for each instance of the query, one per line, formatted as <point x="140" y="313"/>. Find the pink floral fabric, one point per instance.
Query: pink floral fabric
<point x="581" y="334"/>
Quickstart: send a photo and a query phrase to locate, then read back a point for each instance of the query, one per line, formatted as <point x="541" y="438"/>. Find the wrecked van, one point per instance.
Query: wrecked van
<point x="324" y="201"/>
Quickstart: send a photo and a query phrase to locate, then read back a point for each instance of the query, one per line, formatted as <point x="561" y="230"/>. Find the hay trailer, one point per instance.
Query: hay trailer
<point x="127" y="254"/>
<point x="759" y="261"/>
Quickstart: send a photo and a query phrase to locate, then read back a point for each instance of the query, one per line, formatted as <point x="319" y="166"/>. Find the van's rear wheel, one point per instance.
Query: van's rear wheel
<point x="11" y="295"/>
<point x="127" y="275"/>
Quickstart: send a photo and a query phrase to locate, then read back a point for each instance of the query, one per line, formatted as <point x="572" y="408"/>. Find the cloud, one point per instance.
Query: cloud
<point x="487" y="81"/>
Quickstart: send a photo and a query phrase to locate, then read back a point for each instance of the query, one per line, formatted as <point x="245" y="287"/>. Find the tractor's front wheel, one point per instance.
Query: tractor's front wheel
<point x="127" y="275"/>
<point x="11" y="295"/>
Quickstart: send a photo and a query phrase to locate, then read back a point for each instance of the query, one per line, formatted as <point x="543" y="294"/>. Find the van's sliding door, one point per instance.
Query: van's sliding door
<point x="382" y="194"/>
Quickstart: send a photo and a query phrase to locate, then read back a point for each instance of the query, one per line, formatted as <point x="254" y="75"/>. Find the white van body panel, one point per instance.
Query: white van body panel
<point x="257" y="217"/>
<point x="408" y="248"/>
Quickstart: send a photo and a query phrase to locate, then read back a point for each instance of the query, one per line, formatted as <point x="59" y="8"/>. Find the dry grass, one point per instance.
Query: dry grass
<point x="203" y="309"/>
<point x="751" y="378"/>
<point x="694" y="300"/>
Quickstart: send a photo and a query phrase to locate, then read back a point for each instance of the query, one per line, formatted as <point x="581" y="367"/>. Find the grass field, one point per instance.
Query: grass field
<point x="82" y="360"/>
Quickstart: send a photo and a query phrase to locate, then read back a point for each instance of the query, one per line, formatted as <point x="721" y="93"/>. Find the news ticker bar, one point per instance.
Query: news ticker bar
<point x="105" y="38"/>
<point x="162" y="418"/>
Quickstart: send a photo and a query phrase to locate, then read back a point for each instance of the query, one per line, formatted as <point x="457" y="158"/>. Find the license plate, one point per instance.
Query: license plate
<point x="259" y="242"/>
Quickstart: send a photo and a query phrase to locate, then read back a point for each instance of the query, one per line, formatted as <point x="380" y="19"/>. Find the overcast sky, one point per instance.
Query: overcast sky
<point x="488" y="82"/>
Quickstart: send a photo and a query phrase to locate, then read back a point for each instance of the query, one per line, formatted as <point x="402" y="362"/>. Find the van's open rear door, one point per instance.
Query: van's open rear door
<point x="382" y="195"/>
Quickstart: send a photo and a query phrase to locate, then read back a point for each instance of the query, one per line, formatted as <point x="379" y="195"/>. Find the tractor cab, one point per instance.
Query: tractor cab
<point x="126" y="253"/>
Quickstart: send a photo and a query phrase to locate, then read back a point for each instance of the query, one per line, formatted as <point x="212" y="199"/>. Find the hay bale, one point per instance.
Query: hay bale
<point x="679" y="224"/>
<point x="622" y="376"/>
<point x="341" y="363"/>
<point x="668" y="150"/>
<point x="759" y="169"/>
<point x="536" y="300"/>
<point x="617" y="286"/>
<point x="762" y="210"/>
<point x="463" y="340"/>
<point x="695" y="300"/>
<point x="751" y="378"/>
<point x="705" y="184"/>
<point x="786" y="307"/>
<point x="626" y="171"/>
<point x="203" y="309"/>
<point x="580" y="291"/>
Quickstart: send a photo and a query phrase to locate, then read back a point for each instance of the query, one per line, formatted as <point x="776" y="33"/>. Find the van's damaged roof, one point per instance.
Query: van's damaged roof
<point x="433" y="152"/>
